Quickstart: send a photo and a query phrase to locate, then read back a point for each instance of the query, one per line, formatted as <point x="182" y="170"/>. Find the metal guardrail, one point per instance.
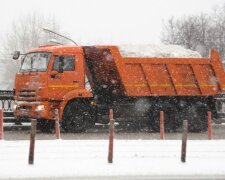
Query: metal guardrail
<point x="7" y="94"/>
<point x="7" y="100"/>
<point x="6" y="103"/>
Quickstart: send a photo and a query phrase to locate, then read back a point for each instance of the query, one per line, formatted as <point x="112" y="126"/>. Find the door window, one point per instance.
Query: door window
<point x="68" y="63"/>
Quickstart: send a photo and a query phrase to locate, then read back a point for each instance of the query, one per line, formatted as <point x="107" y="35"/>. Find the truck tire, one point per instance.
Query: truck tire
<point x="45" y="126"/>
<point x="154" y="120"/>
<point x="172" y="120"/>
<point x="197" y="118"/>
<point x="75" y="117"/>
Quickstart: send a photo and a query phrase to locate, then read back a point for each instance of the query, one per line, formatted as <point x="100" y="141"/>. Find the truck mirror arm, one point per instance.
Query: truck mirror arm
<point x="48" y="30"/>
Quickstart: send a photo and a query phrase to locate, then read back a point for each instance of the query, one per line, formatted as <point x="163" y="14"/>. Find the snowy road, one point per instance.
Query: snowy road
<point x="137" y="155"/>
<point x="133" y="159"/>
<point x="102" y="133"/>
<point x="177" y="177"/>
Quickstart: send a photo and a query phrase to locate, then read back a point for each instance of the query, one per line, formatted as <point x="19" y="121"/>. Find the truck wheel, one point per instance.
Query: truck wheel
<point x="172" y="121"/>
<point x="197" y="119"/>
<point x="45" y="126"/>
<point x="154" y="121"/>
<point x="75" y="117"/>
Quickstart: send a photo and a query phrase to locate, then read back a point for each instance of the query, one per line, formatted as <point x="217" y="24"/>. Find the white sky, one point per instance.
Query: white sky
<point x="107" y="21"/>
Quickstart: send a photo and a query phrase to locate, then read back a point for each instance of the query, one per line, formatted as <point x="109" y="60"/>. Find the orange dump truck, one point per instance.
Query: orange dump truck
<point x="84" y="82"/>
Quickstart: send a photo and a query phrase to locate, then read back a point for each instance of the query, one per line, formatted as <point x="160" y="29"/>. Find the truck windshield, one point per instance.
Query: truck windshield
<point x="36" y="61"/>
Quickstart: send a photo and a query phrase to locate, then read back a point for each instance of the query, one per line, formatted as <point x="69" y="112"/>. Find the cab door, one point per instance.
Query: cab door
<point x="70" y="77"/>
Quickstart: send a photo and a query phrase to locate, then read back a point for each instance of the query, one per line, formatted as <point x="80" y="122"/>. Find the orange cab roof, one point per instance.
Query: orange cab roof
<point x="57" y="49"/>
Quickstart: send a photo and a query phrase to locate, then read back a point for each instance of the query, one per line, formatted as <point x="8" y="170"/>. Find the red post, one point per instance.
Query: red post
<point x="110" y="114"/>
<point x="184" y="141"/>
<point x="162" y="125"/>
<point x="1" y="124"/>
<point x="32" y="141"/>
<point x="209" y="125"/>
<point x="111" y="136"/>
<point x="57" y="127"/>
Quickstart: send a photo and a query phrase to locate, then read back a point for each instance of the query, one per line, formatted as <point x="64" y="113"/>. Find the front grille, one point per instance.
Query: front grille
<point x="27" y="95"/>
<point x="24" y="108"/>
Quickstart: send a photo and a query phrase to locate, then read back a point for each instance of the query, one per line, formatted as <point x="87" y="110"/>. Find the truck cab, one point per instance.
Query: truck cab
<point x="49" y="76"/>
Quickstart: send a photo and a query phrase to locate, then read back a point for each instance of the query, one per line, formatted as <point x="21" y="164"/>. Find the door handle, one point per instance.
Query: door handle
<point x="75" y="81"/>
<point x="55" y="76"/>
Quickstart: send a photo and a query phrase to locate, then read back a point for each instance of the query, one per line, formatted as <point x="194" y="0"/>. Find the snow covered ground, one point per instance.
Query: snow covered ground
<point x="133" y="159"/>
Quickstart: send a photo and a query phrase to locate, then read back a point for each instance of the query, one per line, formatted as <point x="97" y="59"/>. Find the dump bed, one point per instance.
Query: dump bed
<point x="154" y="76"/>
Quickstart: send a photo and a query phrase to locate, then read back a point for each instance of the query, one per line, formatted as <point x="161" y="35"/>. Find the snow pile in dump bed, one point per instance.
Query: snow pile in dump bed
<point x="87" y="159"/>
<point x="156" y="51"/>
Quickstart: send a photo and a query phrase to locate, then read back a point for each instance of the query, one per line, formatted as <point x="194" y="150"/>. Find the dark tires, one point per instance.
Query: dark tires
<point x="197" y="118"/>
<point x="76" y="117"/>
<point x="171" y="119"/>
<point x="195" y="112"/>
<point x="45" y="126"/>
<point x="154" y="121"/>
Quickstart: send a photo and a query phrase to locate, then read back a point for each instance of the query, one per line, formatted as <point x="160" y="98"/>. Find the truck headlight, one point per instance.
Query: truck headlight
<point x="40" y="108"/>
<point x="14" y="107"/>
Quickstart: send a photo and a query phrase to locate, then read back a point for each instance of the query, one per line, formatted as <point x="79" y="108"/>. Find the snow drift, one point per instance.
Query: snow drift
<point x="133" y="159"/>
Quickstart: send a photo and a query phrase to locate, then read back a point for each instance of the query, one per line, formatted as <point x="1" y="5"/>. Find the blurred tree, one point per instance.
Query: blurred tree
<point x="200" y="33"/>
<point x="26" y="32"/>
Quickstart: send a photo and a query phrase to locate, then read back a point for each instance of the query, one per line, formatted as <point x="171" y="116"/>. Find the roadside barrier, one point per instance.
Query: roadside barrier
<point x="184" y="141"/>
<point x="57" y="127"/>
<point x="32" y="141"/>
<point x="162" y="131"/>
<point x="111" y="136"/>
<point x="209" y="125"/>
<point x="1" y="124"/>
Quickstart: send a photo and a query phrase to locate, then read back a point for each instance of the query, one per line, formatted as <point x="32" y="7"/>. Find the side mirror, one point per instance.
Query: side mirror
<point x="16" y="55"/>
<point x="61" y="64"/>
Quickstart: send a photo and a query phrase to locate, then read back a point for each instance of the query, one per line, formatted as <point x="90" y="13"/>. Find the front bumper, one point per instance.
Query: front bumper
<point x="36" y="110"/>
